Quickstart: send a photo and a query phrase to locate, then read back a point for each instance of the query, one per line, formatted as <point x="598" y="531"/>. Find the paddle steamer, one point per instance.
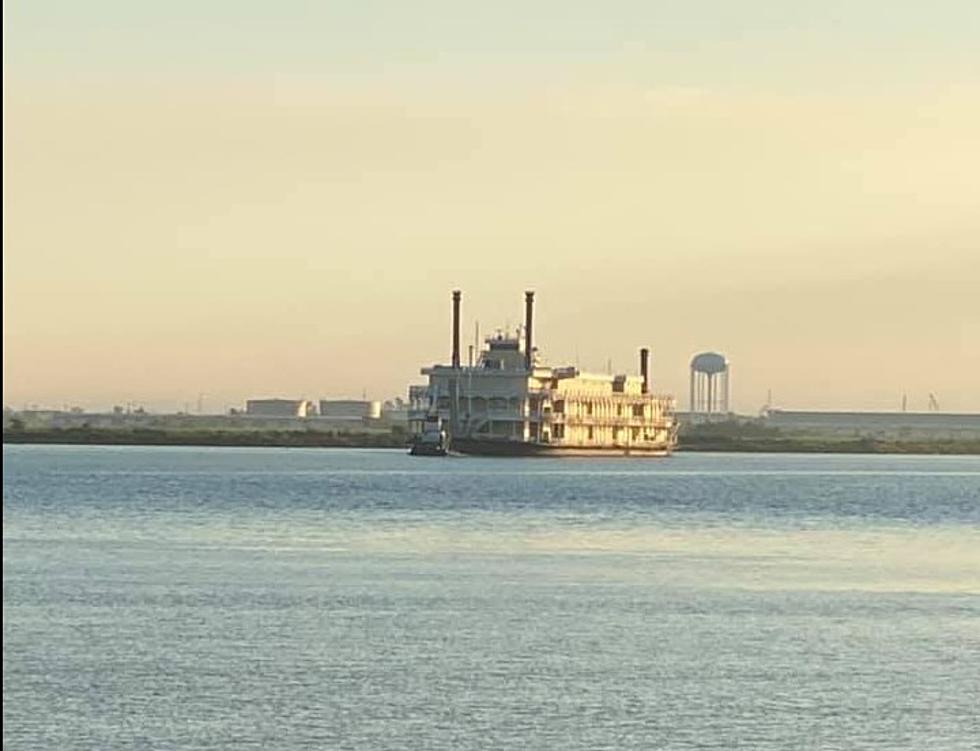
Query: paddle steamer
<point x="505" y="402"/>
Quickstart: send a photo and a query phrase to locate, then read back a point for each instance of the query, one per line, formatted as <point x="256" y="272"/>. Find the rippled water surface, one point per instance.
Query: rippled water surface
<point x="294" y="599"/>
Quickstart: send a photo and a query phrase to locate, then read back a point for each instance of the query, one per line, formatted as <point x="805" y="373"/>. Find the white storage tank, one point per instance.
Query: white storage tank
<point x="350" y="409"/>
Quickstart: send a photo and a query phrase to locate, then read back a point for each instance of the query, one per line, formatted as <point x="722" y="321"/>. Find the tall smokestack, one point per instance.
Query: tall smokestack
<point x="645" y="369"/>
<point x="457" y="295"/>
<point x="528" y="328"/>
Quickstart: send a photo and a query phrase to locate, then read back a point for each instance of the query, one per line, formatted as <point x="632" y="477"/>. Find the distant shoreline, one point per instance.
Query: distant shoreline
<point x="229" y="438"/>
<point x="396" y="439"/>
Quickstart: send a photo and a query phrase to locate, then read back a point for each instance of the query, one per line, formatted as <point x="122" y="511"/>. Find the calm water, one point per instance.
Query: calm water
<point x="292" y="599"/>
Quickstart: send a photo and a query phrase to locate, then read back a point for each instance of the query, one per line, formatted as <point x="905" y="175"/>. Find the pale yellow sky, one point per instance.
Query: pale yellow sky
<point x="298" y="234"/>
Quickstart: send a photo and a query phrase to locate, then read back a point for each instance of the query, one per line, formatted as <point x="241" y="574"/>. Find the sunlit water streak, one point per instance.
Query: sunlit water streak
<point x="264" y="598"/>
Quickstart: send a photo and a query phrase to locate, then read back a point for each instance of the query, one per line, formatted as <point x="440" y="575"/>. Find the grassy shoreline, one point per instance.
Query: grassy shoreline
<point x="254" y="438"/>
<point x="399" y="439"/>
<point x="807" y="445"/>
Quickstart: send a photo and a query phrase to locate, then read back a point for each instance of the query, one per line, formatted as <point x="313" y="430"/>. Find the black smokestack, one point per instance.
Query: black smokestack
<point x="645" y="369"/>
<point x="528" y="328"/>
<point x="456" y="298"/>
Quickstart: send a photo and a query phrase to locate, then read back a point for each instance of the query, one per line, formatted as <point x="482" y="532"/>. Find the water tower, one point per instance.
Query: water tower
<point x="710" y="388"/>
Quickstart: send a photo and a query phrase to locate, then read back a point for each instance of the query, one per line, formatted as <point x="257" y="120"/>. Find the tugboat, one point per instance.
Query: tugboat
<point x="432" y="441"/>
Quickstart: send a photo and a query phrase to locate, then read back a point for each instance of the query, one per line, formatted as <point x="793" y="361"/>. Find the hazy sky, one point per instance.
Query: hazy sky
<point x="255" y="199"/>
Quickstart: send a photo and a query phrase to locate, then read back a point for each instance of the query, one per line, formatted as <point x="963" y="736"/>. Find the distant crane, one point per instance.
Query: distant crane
<point x="933" y="403"/>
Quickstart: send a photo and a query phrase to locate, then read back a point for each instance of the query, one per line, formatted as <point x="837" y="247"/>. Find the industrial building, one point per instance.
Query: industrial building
<point x="350" y="409"/>
<point x="280" y="408"/>
<point x="891" y="425"/>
